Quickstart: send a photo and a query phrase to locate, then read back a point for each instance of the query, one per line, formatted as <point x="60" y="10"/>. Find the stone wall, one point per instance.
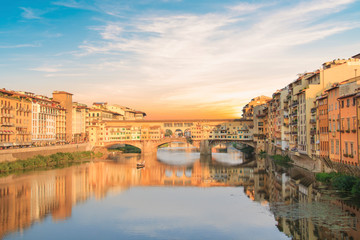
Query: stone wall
<point x="315" y="164"/>
<point x="343" y="168"/>
<point x="24" y="153"/>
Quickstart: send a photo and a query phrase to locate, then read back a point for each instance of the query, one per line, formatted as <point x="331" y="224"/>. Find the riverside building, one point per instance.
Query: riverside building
<point x="312" y="120"/>
<point x="15" y="119"/>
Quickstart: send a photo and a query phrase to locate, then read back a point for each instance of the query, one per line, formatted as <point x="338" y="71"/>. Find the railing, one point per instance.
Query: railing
<point x="295" y="103"/>
<point x="7" y="124"/>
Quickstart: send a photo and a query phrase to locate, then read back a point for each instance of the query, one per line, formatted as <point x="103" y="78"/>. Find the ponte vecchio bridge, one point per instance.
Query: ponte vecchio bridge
<point x="148" y="135"/>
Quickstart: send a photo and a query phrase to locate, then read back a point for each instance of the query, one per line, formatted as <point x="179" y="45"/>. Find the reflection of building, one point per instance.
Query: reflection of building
<point x="30" y="198"/>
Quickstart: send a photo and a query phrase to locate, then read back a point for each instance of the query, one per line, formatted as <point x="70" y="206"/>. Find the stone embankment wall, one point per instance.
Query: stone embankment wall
<point x="343" y="168"/>
<point x="24" y="153"/>
<point x="315" y="165"/>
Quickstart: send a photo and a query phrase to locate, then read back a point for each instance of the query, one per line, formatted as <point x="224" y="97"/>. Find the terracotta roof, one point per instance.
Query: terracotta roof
<point x="63" y="92"/>
<point x="348" y="95"/>
<point x="321" y="97"/>
<point x="331" y="88"/>
<point x="356" y="56"/>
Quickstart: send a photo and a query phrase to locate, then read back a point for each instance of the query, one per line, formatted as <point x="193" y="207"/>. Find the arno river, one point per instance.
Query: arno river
<point x="176" y="196"/>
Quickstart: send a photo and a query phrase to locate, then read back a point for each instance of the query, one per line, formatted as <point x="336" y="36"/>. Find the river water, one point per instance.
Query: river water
<point x="178" y="195"/>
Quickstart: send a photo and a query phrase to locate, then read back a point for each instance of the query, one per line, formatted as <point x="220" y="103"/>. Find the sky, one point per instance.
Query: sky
<point x="173" y="59"/>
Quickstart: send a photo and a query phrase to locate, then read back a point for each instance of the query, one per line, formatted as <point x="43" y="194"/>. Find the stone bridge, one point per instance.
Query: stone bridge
<point x="151" y="146"/>
<point x="149" y="135"/>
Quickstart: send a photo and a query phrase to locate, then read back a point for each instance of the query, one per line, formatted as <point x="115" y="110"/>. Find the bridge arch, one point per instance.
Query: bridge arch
<point x="207" y="145"/>
<point x="170" y="140"/>
<point x="214" y="143"/>
<point x="137" y="144"/>
<point x="178" y="133"/>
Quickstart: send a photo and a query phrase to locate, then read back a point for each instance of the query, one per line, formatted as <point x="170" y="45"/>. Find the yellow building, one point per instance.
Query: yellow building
<point x="15" y="123"/>
<point x="248" y="109"/>
<point x="260" y="127"/>
<point x="79" y="114"/>
<point x="61" y="125"/>
<point x="332" y="72"/>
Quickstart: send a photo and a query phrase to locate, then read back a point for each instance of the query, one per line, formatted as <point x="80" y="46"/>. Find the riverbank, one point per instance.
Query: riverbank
<point x="46" y="162"/>
<point x="11" y="155"/>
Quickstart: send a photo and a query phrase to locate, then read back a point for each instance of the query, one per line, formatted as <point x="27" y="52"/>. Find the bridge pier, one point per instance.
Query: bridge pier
<point x="148" y="148"/>
<point x="205" y="148"/>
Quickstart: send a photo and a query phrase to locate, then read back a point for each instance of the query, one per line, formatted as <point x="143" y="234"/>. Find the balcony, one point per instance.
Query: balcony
<point x="261" y="115"/>
<point x="6" y="132"/>
<point x="7" y="115"/>
<point x="313" y="131"/>
<point x="294" y="103"/>
<point x="7" y="124"/>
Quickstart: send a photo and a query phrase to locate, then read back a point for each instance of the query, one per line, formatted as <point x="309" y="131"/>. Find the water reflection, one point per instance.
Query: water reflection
<point x="288" y="196"/>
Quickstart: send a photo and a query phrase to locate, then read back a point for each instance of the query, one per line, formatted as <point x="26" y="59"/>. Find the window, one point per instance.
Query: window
<point x="337" y="146"/>
<point x="346" y="148"/>
<point x="352" y="148"/>
<point x="332" y="146"/>
<point x="347" y="102"/>
<point x="348" y="124"/>
<point x="354" y="123"/>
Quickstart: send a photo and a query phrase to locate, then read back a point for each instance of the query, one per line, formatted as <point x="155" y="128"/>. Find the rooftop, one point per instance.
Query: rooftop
<point x="62" y="92"/>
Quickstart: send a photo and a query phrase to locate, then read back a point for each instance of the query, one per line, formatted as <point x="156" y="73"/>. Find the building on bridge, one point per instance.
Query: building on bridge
<point x="102" y="133"/>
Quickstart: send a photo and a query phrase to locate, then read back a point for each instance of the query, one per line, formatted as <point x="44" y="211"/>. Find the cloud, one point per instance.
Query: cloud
<point x="66" y="75"/>
<point x="215" y="60"/>
<point x="48" y="69"/>
<point x="247" y="7"/>
<point x="20" y="46"/>
<point x="30" y="13"/>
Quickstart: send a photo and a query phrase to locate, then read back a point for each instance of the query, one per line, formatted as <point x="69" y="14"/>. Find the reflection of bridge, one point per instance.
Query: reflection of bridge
<point x="149" y="135"/>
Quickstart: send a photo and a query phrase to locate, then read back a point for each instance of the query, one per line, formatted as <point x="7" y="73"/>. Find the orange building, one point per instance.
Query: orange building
<point x="334" y="123"/>
<point x="349" y="139"/>
<point x="65" y="100"/>
<point x="323" y="125"/>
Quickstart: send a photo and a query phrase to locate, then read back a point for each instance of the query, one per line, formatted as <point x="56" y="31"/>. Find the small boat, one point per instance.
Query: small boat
<point x="140" y="164"/>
